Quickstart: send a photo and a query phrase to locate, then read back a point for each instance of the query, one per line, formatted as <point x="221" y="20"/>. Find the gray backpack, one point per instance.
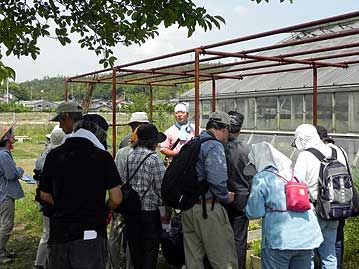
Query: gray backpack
<point x="335" y="187"/>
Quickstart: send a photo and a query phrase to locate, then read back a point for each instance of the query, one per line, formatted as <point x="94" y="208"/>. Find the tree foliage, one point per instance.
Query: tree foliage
<point x="101" y="24"/>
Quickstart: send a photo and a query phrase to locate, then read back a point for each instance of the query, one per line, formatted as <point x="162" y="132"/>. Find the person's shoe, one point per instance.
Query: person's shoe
<point x="38" y="267"/>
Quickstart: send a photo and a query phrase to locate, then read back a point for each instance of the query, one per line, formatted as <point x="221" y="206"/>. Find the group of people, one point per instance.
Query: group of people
<point x="80" y="183"/>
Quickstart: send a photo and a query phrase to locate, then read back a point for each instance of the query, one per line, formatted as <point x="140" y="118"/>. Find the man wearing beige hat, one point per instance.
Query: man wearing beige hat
<point x="67" y="113"/>
<point x="136" y="119"/>
<point x="10" y="190"/>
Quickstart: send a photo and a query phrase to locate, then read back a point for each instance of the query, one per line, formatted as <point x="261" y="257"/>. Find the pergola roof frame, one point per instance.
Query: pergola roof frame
<point x="164" y="76"/>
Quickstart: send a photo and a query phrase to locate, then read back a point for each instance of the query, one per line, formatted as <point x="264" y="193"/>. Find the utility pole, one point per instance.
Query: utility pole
<point x="7" y="90"/>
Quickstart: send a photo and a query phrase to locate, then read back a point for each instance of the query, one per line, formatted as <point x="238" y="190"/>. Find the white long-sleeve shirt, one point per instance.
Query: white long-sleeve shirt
<point x="307" y="166"/>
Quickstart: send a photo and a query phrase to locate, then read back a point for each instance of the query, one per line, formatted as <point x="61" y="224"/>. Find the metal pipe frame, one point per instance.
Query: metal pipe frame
<point x="114" y="106"/>
<point x="273" y="59"/>
<point x="194" y="74"/>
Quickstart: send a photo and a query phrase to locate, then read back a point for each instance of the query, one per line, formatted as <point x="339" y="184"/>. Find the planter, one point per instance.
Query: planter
<point x="255" y="262"/>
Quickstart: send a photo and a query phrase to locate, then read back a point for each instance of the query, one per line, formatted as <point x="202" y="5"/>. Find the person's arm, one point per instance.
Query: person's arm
<point x="113" y="182"/>
<point x="8" y="167"/>
<point x="115" y="197"/>
<point x="255" y="207"/>
<point x="168" y="152"/>
<point x="47" y="197"/>
<point x="167" y="144"/>
<point x="216" y="172"/>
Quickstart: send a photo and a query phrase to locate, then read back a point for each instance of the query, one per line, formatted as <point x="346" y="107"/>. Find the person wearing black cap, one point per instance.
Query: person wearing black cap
<point x="237" y="158"/>
<point x="74" y="181"/>
<point x="146" y="168"/>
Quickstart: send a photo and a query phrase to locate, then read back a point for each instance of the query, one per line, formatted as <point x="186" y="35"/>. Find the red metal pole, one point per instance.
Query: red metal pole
<point x="196" y="91"/>
<point x="213" y="95"/>
<point x="151" y="103"/>
<point x="114" y="106"/>
<point x="66" y="85"/>
<point x="315" y="95"/>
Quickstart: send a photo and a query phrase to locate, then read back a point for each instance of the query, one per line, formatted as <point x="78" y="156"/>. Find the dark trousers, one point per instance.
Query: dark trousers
<point x="339" y="243"/>
<point x="143" y="234"/>
<point x="79" y="254"/>
<point x="240" y="230"/>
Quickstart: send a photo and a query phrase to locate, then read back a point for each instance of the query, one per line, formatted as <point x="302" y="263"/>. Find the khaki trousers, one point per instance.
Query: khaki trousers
<point x="7" y="214"/>
<point x="212" y="237"/>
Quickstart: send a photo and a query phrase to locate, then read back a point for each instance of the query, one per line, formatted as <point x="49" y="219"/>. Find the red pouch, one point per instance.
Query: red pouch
<point x="296" y="195"/>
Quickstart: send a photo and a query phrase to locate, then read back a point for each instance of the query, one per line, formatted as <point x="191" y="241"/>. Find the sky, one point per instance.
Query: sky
<point x="243" y="17"/>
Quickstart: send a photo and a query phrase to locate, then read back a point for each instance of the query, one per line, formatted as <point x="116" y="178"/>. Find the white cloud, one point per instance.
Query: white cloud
<point x="241" y="10"/>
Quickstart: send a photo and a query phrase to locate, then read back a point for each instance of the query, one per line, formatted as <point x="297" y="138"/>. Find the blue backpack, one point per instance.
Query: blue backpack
<point x="335" y="187"/>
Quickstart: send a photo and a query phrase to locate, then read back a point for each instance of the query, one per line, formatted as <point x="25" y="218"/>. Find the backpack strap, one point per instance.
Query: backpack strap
<point x="317" y="154"/>
<point x="138" y="167"/>
<point x="334" y="153"/>
<point x="204" y="204"/>
<point x="175" y="144"/>
<point x="346" y="161"/>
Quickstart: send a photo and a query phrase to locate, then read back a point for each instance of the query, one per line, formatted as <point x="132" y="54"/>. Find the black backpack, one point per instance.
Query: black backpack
<point x="335" y="187"/>
<point x="180" y="186"/>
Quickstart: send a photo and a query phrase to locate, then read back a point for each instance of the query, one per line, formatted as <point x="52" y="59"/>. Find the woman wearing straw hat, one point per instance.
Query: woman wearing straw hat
<point x="10" y="190"/>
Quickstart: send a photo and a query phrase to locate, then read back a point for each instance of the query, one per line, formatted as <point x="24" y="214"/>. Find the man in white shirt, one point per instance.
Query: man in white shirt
<point x="307" y="168"/>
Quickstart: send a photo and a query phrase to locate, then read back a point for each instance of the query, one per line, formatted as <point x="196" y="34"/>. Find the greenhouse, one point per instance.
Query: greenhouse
<point x="275" y="104"/>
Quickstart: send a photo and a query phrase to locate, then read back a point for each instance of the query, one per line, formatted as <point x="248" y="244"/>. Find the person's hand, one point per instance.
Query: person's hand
<point x="108" y="217"/>
<point x="230" y="197"/>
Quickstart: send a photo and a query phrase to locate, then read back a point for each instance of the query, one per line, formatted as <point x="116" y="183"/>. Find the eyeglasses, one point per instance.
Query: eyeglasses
<point x="293" y="143"/>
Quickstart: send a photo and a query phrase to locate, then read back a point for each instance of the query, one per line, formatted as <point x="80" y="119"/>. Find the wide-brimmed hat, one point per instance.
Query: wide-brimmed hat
<point x="66" y="107"/>
<point x="56" y="137"/>
<point x="138" y="117"/>
<point x="5" y="132"/>
<point x="148" y="131"/>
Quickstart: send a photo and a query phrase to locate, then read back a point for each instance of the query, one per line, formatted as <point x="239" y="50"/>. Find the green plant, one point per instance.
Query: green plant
<point x="255" y="247"/>
<point x="254" y="225"/>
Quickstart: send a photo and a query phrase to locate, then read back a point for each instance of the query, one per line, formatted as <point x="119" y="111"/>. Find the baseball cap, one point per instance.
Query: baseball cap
<point x="148" y="131"/>
<point x="220" y="117"/>
<point x="6" y="130"/>
<point x="66" y="107"/>
<point x="138" y="117"/>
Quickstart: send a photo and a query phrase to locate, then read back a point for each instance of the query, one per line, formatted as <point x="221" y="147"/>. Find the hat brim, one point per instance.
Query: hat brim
<point x="5" y="131"/>
<point x="161" y="137"/>
<point x="56" y="117"/>
<point x="249" y="169"/>
<point x="135" y="121"/>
